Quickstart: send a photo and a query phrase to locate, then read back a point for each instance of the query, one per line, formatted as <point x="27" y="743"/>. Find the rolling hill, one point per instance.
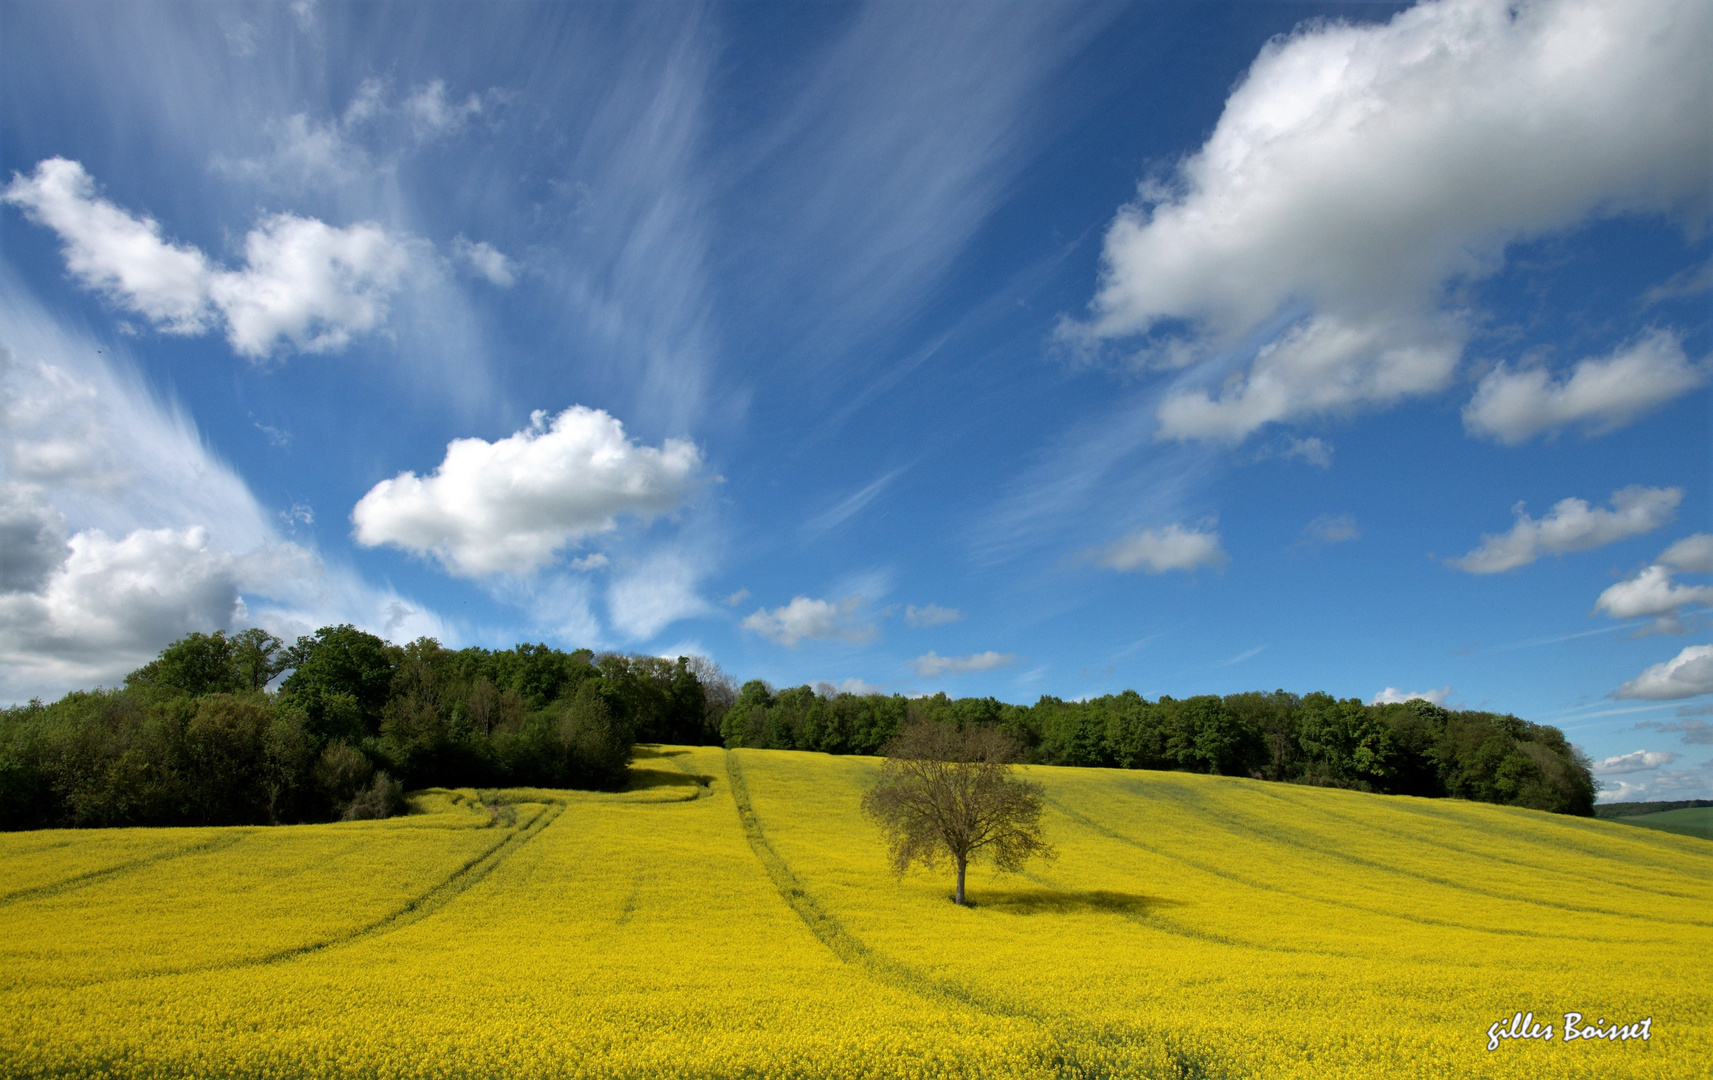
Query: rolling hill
<point x="730" y="915"/>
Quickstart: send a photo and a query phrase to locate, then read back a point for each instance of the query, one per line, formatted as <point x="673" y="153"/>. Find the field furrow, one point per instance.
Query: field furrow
<point x="731" y="915"/>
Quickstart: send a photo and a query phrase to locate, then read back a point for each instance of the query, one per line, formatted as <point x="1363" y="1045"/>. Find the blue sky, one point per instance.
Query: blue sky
<point x="1008" y="349"/>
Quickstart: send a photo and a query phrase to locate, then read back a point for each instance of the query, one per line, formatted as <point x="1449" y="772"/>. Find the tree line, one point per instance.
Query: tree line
<point x="195" y="737"/>
<point x="245" y="729"/>
<point x="1413" y="748"/>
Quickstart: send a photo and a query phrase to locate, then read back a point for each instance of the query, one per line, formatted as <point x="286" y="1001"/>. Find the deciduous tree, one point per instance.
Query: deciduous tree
<point x="946" y="792"/>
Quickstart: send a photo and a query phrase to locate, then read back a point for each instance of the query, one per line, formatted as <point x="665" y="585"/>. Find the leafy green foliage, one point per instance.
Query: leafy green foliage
<point x="1414" y="748"/>
<point x="194" y="737"/>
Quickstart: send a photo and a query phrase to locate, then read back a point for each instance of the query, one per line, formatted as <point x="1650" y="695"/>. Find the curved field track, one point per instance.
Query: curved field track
<point x="731" y="916"/>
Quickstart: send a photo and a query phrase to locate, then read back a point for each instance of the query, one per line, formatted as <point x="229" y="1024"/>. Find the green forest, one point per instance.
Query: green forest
<point x="248" y="730"/>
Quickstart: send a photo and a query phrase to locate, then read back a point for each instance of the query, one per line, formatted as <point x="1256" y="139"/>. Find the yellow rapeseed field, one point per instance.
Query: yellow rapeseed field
<point x="731" y="916"/>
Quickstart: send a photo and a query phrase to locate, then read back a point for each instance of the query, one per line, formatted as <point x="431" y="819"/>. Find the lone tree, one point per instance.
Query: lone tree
<point x="949" y="792"/>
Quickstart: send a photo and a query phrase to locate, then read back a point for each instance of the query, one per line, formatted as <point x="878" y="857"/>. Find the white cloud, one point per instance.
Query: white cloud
<point x="1159" y="550"/>
<point x="484" y="260"/>
<point x="1687" y="674"/>
<point x="303" y="279"/>
<point x="592" y="561"/>
<point x="114" y="253"/>
<point x="310" y="283"/>
<point x="1601" y="394"/>
<point x="431" y="115"/>
<point x="1332" y="529"/>
<point x="1639" y="761"/>
<point x="1359" y="173"/>
<point x="653" y="595"/>
<point x="814" y="619"/>
<point x="1313" y="449"/>
<point x="368" y="140"/>
<point x="1689" y="282"/>
<point x="1572" y="525"/>
<point x="736" y="598"/>
<point x="1662" y="786"/>
<point x="1653" y="594"/>
<point x="1692" y="555"/>
<point x="508" y="506"/>
<point x="121" y="531"/>
<point x="930" y="615"/>
<point x="1393" y="696"/>
<point x="852" y="685"/>
<point x="1324" y="364"/>
<point x="930" y="665"/>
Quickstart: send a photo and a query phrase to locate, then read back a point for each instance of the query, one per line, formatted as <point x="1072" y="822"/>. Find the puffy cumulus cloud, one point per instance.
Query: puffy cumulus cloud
<point x="110" y="604"/>
<point x="1692" y="555"/>
<point x="113" y="252"/>
<point x="509" y="506"/>
<point x="656" y="593"/>
<point x="1393" y="696"/>
<point x="817" y="620"/>
<point x="1652" y="594"/>
<point x="488" y="263"/>
<point x="932" y="666"/>
<point x="1640" y="761"/>
<point x="1332" y="529"/>
<point x="304" y="281"/>
<point x="310" y="283"/>
<point x="1687" y="674"/>
<point x="1572" y="525"/>
<point x="1156" y="551"/>
<point x="930" y="615"/>
<point x="1359" y="172"/>
<point x="1600" y="394"/>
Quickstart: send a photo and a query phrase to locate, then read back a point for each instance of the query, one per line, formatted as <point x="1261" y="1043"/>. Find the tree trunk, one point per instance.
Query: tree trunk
<point x="962" y="863"/>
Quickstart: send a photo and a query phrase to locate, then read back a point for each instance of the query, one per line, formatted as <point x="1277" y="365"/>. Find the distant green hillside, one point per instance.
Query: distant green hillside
<point x="1685" y="821"/>
<point x="1636" y="809"/>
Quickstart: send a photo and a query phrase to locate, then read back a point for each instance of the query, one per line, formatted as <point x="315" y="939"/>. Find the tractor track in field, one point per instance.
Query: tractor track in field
<point x="1486" y="856"/>
<point x="92" y="877"/>
<point x="419" y="907"/>
<point x="831" y="932"/>
<point x="1206" y="868"/>
<point x="1249" y="827"/>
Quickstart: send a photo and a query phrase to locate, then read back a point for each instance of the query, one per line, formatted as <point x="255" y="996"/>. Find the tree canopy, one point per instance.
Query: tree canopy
<point x="947" y="792"/>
